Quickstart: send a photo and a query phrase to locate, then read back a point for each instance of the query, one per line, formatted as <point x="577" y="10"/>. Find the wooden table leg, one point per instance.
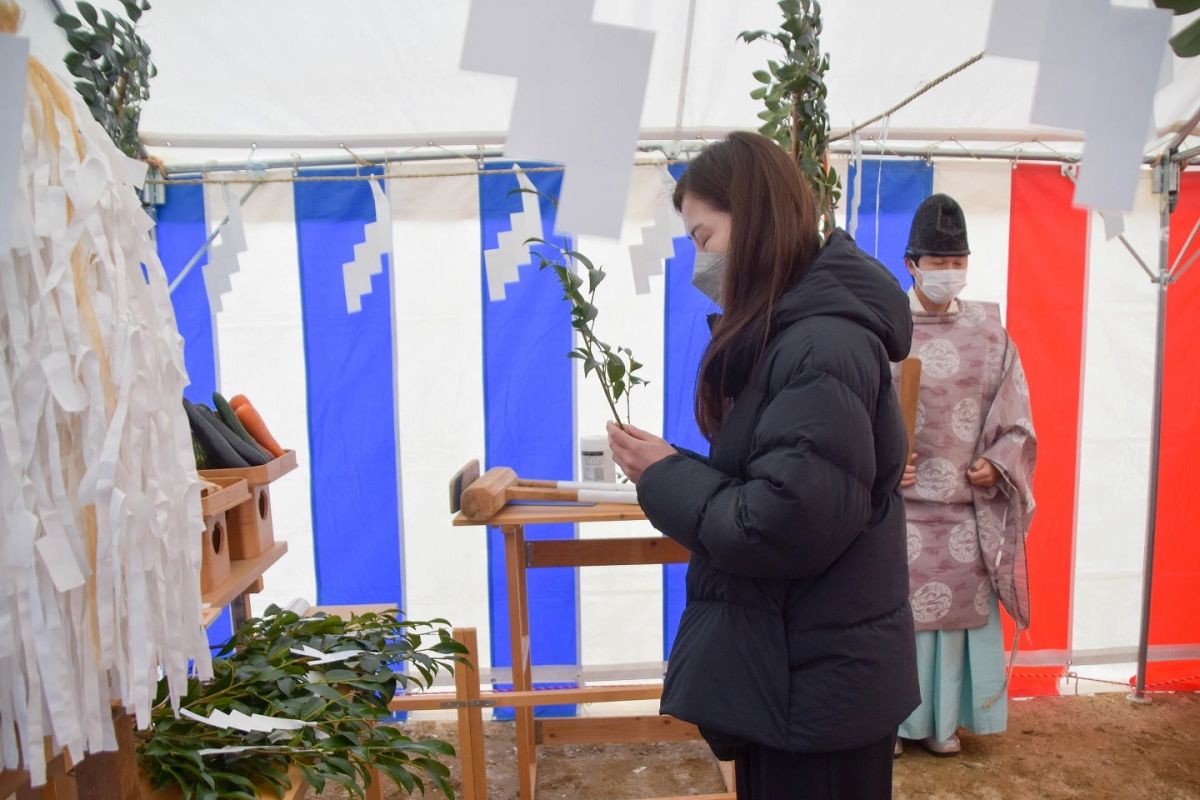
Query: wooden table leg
<point x="522" y="669"/>
<point x="470" y="719"/>
<point x="729" y="775"/>
<point x="239" y="610"/>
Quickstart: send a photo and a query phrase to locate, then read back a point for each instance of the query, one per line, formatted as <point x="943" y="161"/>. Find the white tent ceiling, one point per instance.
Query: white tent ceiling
<point x="310" y="74"/>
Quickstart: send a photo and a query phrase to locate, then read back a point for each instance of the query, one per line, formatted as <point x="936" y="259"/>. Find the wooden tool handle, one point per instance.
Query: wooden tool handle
<point x="539" y="493"/>
<point x="910" y="392"/>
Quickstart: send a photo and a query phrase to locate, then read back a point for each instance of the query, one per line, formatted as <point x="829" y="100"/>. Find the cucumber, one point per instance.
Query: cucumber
<point x="249" y="453"/>
<point x="221" y="454"/>
<point x="234" y="424"/>
<point x="201" y="455"/>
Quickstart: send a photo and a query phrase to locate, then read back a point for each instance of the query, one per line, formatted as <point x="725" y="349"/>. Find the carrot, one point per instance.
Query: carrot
<point x="255" y="426"/>
<point x="237" y="401"/>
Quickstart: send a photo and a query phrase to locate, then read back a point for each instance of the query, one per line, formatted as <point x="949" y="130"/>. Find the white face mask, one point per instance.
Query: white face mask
<point x="942" y="285"/>
<point x="708" y="275"/>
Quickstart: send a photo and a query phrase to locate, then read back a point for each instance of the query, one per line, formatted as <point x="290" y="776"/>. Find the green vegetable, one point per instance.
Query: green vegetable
<point x="201" y="455"/>
<point x="221" y="454"/>
<point x="230" y="418"/>
<point x="250" y="454"/>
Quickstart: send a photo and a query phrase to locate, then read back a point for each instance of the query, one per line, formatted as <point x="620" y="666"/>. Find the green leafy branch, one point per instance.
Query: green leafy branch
<point x="793" y="92"/>
<point x="343" y="704"/>
<point x="615" y="367"/>
<point x="1186" y="43"/>
<point x="113" y="67"/>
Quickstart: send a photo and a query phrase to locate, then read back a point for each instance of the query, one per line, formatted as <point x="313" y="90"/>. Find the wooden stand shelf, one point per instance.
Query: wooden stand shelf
<point x="243" y="576"/>
<point x="521" y="556"/>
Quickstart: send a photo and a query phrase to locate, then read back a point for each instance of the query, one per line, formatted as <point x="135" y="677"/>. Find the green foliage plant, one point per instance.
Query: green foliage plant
<point x="112" y="65"/>
<point x="343" y="705"/>
<point x="792" y="89"/>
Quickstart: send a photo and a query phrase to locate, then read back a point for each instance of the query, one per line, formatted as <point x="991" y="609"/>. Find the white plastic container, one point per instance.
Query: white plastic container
<point x="595" y="460"/>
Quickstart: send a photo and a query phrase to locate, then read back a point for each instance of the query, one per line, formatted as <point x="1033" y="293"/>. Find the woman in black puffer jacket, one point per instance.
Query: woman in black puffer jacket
<point x="795" y="651"/>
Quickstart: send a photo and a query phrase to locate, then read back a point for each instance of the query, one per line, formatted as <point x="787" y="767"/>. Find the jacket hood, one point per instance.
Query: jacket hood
<point x="843" y="281"/>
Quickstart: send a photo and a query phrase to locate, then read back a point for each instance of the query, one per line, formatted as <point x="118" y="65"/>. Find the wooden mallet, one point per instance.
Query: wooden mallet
<point x="480" y="497"/>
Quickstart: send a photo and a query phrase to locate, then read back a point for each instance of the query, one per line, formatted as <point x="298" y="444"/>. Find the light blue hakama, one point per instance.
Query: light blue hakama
<point x="959" y="672"/>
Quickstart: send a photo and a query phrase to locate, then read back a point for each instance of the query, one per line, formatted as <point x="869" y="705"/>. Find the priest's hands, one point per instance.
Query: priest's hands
<point x="634" y="450"/>
<point x="910" y="473"/>
<point x="983" y="474"/>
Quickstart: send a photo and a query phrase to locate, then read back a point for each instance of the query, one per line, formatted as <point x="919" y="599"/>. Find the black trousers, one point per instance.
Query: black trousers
<point x="764" y="773"/>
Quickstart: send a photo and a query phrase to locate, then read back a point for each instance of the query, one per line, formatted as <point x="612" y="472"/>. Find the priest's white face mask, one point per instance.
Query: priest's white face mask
<point x="941" y="278"/>
<point x="709" y="229"/>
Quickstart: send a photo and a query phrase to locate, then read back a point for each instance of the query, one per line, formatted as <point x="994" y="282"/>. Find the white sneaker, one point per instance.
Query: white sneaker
<point x="899" y="751"/>
<point x="949" y="747"/>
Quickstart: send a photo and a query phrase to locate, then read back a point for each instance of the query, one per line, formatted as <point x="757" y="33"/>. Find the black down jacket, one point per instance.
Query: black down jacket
<point x="797" y="632"/>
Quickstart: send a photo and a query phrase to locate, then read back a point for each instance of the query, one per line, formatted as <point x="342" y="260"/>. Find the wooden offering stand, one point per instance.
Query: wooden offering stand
<point x="521" y="556"/>
<point x="250" y="532"/>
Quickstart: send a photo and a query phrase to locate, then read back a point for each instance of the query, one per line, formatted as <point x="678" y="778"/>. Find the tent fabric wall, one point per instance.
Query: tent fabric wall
<point x="351" y="406"/>
<point x="529" y="407"/>
<point x="439" y="365"/>
<point x="614" y="602"/>
<point x="261" y="345"/>
<point x="1115" y="437"/>
<point x="1045" y="319"/>
<point x="179" y="232"/>
<point x="405" y="63"/>
<point x="440" y="312"/>
<point x="685" y="335"/>
<point x="891" y="192"/>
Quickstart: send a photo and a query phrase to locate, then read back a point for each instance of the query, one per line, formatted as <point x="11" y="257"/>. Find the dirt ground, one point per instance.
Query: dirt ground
<point x="1096" y="747"/>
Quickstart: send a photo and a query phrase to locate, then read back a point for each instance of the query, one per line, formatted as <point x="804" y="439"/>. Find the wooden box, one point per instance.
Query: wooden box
<point x="257" y="476"/>
<point x="216" y="499"/>
<point x="251" y="526"/>
<point x="214" y="553"/>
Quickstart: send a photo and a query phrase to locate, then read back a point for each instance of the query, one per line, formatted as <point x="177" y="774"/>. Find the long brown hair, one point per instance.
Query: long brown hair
<point x="772" y="241"/>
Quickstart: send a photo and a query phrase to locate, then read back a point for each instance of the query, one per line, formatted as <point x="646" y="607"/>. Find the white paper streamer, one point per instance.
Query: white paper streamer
<point x="658" y="240"/>
<point x="572" y="105"/>
<point x="368" y="254"/>
<point x="503" y="262"/>
<point x="317" y="657"/>
<point x="223" y="254"/>
<point x="14" y="51"/>
<point x="1093" y="57"/>
<point x="100" y="523"/>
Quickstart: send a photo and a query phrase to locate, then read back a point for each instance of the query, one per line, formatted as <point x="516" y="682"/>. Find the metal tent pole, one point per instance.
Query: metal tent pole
<point x="1166" y="186"/>
<point x="1163" y="281"/>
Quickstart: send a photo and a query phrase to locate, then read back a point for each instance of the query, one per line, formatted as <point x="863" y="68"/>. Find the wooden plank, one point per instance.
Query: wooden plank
<point x="518" y="631"/>
<point x="429" y="701"/>
<point x="470" y="719"/>
<point x="273" y="470"/>
<point x="242" y="574"/>
<point x="728" y="774"/>
<point x="222" y="495"/>
<point x="612" y="730"/>
<point x="11" y="781"/>
<point x="605" y="552"/>
<point x="112" y="776"/>
<point x="59" y="785"/>
<point x="207" y="617"/>
<point x="910" y="390"/>
<point x="543" y="515"/>
<point x="728" y="796"/>
<point x="299" y="789"/>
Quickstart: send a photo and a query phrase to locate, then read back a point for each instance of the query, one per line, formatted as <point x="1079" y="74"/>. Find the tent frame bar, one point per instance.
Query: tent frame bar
<point x="955" y="150"/>
<point x="1165" y="184"/>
